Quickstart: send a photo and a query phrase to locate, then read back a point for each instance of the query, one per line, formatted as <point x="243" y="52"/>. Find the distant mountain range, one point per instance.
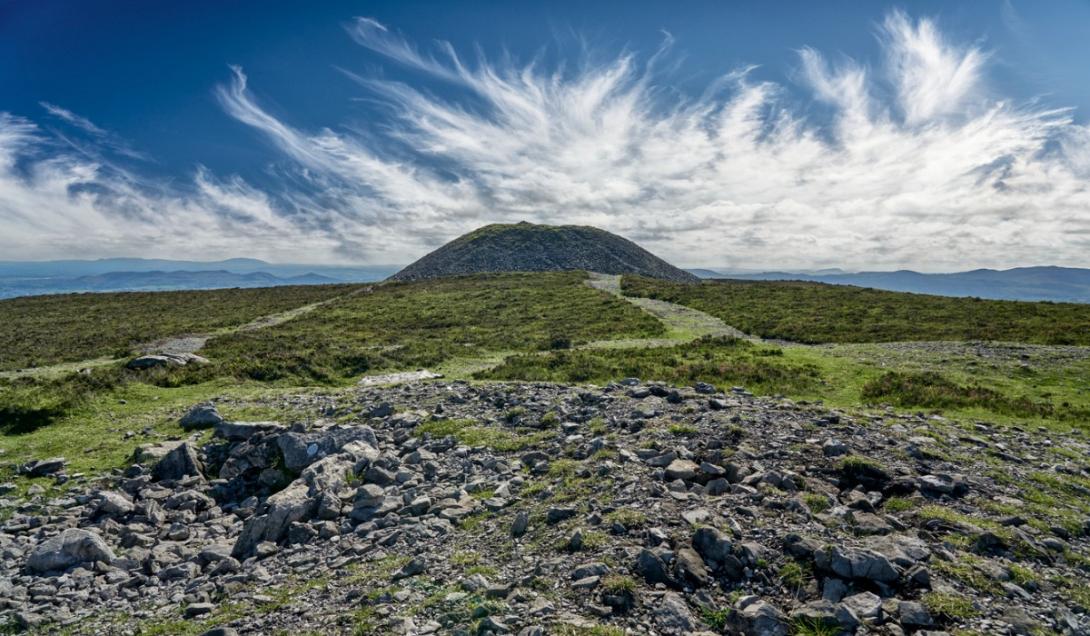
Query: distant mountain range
<point x="26" y="278"/>
<point x="74" y="268"/>
<point x="1060" y="284"/>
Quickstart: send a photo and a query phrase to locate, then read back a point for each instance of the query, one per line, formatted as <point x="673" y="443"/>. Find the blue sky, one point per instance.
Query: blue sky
<point x="345" y="132"/>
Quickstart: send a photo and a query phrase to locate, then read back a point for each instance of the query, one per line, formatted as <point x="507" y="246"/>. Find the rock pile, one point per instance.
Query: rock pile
<point x="546" y="509"/>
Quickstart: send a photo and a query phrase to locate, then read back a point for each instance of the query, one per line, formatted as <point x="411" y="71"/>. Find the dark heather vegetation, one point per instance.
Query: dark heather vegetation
<point x="820" y="313"/>
<point x="44" y="330"/>
<point x="932" y="390"/>
<point x="713" y="360"/>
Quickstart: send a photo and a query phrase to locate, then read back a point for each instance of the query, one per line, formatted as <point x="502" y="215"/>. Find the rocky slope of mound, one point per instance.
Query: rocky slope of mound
<point x="538" y="509"/>
<point x="525" y="247"/>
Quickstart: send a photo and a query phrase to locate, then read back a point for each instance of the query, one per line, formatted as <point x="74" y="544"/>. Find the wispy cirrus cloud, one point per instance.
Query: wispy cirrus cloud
<point x="912" y="161"/>
<point x="80" y="122"/>
<point x="100" y="137"/>
<point x="58" y="203"/>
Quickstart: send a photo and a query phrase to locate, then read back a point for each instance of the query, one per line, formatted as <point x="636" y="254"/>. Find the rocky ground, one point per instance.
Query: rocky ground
<point x="443" y="507"/>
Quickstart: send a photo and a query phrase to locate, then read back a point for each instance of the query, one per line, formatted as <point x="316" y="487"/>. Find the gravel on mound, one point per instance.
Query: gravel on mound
<point x="526" y="247"/>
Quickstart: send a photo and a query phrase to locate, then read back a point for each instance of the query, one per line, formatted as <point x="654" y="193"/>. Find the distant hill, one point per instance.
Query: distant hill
<point x="153" y="281"/>
<point x="76" y="268"/>
<point x="526" y="247"/>
<point x="705" y="273"/>
<point x="1060" y="284"/>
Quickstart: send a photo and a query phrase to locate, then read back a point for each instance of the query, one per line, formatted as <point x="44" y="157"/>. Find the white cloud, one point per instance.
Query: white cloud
<point x="72" y="118"/>
<point x="67" y="205"/>
<point x="913" y="163"/>
<point x="933" y="77"/>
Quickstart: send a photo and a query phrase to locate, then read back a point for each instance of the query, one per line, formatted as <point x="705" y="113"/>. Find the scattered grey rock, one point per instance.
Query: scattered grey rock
<point x="759" y="618"/>
<point x="672" y="615"/>
<point x="242" y="431"/>
<point x="69" y="548"/>
<point x="165" y="360"/>
<point x="43" y="467"/>
<point x="682" y="469"/>
<point x="416" y="566"/>
<point x="520" y="524"/>
<point x="202" y="415"/>
<point x="179" y="463"/>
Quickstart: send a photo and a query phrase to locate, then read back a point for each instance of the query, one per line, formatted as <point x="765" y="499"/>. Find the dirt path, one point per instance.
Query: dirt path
<point x="194" y="343"/>
<point x="683" y="324"/>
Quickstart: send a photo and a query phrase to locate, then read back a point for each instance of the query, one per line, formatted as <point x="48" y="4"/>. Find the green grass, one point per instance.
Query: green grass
<point x="816" y="503"/>
<point x="563" y="468"/>
<point x="716" y="618"/>
<point x="855" y="464"/>
<point x="463" y="326"/>
<point x="617" y="583"/>
<point x="795" y="575"/>
<point x="965" y="570"/>
<point x="714" y="360"/>
<point x="898" y="504"/>
<point x="627" y="517"/>
<point x="465" y="558"/>
<point x="92" y="435"/>
<point x="933" y="391"/>
<point x="471" y="434"/>
<point x="1022" y="575"/>
<point x="947" y="606"/>
<point x="955" y="518"/>
<point x="682" y="430"/>
<point x="1053" y="392"/>
<point x="816" y="312"/>
<point x="28" y="403"/>
<point x="814" y="627"/>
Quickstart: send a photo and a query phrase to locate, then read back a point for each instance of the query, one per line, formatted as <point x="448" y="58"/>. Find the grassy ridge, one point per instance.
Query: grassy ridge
<point x="394" y="327"/>
<point x="820" y="313"/>
<point x="44" y="330"/>
<point x="410" y="325"/>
